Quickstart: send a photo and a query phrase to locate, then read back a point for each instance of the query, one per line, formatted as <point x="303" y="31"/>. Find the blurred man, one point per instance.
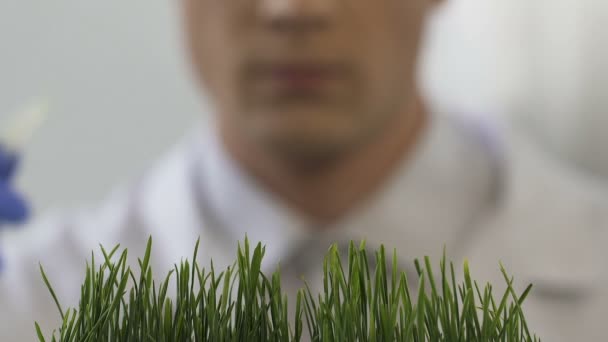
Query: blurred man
<point x="320" y="136"/>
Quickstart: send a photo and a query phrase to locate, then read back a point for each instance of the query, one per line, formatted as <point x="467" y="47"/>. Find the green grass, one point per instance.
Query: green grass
<point x="240" y="303"/>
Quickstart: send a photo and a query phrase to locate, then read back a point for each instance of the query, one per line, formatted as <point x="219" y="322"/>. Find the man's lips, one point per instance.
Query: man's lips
<point x="301" y="76"/>
<point x="298" y="76"/>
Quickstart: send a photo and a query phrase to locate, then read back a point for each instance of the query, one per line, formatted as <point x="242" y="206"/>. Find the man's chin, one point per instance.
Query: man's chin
<point x="308" y="151"/>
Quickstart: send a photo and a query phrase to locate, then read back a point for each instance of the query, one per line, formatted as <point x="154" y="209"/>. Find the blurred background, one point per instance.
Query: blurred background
<point x="121" y="93"/>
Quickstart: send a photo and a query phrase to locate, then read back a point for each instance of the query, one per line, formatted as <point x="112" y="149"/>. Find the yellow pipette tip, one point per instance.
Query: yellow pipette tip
<point x="22" y="125"/>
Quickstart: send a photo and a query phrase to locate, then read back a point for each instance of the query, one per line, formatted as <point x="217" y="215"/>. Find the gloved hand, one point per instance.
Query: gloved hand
<point x="13" y="207"/>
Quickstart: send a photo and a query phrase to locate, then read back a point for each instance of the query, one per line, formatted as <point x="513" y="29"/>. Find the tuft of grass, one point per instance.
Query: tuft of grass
<point x="240" y="303"/>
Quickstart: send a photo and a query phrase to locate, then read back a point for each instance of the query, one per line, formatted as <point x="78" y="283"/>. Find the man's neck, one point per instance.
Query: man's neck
<point x="331" y="193"/>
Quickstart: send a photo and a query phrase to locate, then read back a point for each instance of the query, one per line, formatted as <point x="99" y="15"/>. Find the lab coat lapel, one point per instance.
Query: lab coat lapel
<point x="435" y="199"/>
<point x="167" y="210"/>
<point x="552" y="219"/>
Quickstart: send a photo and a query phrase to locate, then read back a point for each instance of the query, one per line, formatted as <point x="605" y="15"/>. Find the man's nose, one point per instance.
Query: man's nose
<point x="297" y="16"/>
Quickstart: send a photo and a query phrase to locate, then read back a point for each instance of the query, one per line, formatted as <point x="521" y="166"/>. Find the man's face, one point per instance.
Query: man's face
<point x="312" y="77"/>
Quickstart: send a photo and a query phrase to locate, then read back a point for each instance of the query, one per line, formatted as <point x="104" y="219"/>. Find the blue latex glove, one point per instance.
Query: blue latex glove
<point x="13" y="207"/>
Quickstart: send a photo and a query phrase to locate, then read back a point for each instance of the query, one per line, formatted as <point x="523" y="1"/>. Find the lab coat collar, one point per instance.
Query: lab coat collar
<point x="436" y="197"/>
<point x="428" y="202"/>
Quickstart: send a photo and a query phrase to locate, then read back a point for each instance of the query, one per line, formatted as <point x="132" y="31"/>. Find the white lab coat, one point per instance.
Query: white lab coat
<point x="484" y="201"/>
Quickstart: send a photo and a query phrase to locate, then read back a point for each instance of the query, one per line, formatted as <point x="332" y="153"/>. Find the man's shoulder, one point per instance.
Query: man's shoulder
<point x="541" y="183"/>
<point x="550" y="229"/>
<point x="552" y="221"/>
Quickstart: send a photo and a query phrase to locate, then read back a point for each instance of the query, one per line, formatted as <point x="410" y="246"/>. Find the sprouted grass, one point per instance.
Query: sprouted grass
<point x="240" y="303"/>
